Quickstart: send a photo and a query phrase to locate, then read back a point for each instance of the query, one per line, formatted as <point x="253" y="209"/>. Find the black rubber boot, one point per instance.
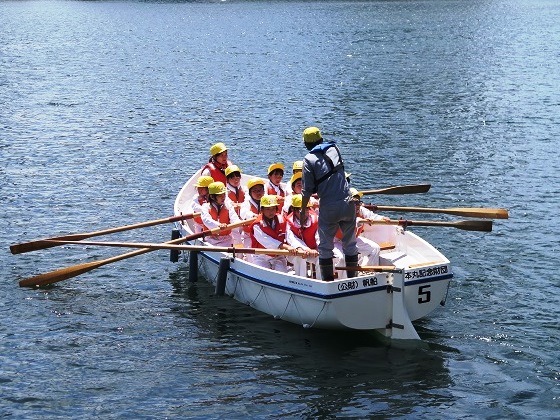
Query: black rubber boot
<point x="351" y="261"/>
<point x="327" y="269"/>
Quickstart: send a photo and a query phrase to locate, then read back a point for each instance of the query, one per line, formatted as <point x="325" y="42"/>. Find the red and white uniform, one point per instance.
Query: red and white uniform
<point x="213" y="216"/>
<point x="269" y="235"/>
<point x="272" y="189"/>
<point x="306" y="237"/>
<point x="237" y="195"/>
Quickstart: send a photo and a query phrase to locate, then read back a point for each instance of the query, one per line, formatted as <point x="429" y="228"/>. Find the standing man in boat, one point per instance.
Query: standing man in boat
<point x="323" y="174"/>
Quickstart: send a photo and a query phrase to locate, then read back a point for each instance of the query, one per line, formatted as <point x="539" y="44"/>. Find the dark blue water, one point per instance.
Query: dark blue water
<point x="108" y="107"/>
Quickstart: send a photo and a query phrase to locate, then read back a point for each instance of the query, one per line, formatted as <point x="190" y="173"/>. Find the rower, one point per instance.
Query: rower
<point x="199" y="199"/>
<point x="217" y="163"/>
<point x="274" y="183"/>
<point x="219" y="212"/>
<point x="269" y="231"/>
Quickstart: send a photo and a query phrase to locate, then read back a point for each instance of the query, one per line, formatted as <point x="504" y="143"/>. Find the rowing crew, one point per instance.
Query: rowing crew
<point x="276" y="226"/>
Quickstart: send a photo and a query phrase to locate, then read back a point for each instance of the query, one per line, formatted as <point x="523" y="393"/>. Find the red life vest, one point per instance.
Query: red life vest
<point x="217" y="172"/>
<point x="272" y="191"/>
<point x="306" y="234"/>
<point x="278" y="233"/>
<point x="238" y="197"/>
<point x="221" y="216"/>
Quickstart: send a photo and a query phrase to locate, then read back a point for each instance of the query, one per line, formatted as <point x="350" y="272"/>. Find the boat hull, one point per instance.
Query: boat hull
<point x="386" y="301"/>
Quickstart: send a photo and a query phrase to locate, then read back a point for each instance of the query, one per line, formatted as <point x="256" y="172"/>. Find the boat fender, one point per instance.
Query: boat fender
<point x="193" y="266"/>
<point x="174" y="253"/>
<point x="222" y="276"/>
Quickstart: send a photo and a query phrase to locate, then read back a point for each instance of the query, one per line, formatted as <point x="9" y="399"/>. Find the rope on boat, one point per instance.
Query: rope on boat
<point x="318" y="315"/>
<point x="235" y="286"/>
<point x="288" y="304"/>
<point x="250" y="303"/>
<point x="269" y="306"/>
<point x="292" y="297"/>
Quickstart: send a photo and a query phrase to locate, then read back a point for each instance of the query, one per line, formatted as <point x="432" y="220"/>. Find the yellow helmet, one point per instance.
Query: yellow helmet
<point x="275" y="166"/>
<point x="217" y="149"/>
<point x="232" y="168"/>
<point x="217" y="188"/>
<point x="354" y="192"/>
<point x="297" y="201"/>
<point x="254" y="181"/>
<point x="295" y="177"/>
<point x="269" y="201"/>
<point x="311" y="135"/>
<point x="204" y="181"/>
<point x="298" y="165"/>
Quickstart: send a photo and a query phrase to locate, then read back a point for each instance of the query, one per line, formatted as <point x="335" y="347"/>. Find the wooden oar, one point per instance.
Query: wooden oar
<point x="76" y="270"/>
<point x="400" y="189"/>
<point x="171" y="246"/>
<point x="476" y="225"/>
<point x="456" y="211"/>
<point x="47" y="243"/>
<point x="167" y="245"/>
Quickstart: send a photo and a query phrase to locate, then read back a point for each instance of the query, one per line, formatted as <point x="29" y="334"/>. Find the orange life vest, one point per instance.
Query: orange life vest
<point x="221" y="216"/>
<point x="237" y="197"/>
<point x="272" y="191"/>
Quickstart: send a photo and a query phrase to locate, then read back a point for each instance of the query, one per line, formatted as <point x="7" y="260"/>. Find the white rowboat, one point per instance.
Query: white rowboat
<point x="386" y="301"/>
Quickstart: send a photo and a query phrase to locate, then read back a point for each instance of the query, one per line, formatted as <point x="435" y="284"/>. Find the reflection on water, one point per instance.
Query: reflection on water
<point x="332" y="371"/>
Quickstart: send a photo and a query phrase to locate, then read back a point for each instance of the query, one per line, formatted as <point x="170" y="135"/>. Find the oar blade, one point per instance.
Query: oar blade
<point x="475" y="225"/>
<point x="76" y="270"/>
<point x="400" y="189"/>
<point x="58" y="275"/>
<point x="44" y="243"/>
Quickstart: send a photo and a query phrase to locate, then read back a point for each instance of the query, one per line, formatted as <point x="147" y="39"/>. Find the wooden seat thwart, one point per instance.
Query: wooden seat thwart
<point x="425" y="264"/>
